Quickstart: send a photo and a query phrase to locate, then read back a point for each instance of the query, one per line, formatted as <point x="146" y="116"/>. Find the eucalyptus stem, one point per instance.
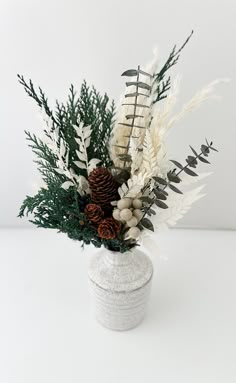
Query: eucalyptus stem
<point x="196" y="156"/>
<point x="135" y="108"/>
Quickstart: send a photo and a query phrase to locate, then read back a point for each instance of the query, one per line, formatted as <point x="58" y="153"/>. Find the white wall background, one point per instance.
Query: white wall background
<point x="56" y="42"/>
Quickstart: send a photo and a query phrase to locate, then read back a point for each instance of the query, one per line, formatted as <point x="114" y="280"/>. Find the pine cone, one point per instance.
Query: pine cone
<point x="108" y="228"/>
<point x="103" y="186"/>
<point x="94" y="213"/>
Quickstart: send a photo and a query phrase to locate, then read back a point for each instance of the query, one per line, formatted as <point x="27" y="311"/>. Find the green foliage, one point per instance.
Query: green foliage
<point x="56" y="208"/>
<point x="53" y="207"/>
<point x="89" y="107"/>
<point x="162" y="84"/>
<point x="161" y="184"/>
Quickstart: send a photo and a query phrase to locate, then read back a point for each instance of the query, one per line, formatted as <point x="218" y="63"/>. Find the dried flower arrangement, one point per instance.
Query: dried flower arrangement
<point x="105" y="176"/>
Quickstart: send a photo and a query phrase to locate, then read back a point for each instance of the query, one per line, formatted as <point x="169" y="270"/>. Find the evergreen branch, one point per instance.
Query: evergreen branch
<point x="47" y="159"/>
<point x="41" y="99"/>
<point x="164" y="86"/>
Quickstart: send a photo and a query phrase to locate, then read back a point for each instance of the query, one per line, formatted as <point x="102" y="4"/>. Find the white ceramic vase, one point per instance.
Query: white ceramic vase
<point x="120" y="286"/>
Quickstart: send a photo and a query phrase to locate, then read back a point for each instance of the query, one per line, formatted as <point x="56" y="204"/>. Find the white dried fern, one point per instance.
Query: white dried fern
<point x="83" y="140"/>
<point x="178" y="206"/>
<point x="57" y="145"/>
<point x="133" y="186"/>
<point x="201" y="96"/>
<point x="149" y="162"/>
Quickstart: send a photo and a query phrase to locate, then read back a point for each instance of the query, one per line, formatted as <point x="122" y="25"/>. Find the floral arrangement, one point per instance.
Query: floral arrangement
<point x="107" y="177"/>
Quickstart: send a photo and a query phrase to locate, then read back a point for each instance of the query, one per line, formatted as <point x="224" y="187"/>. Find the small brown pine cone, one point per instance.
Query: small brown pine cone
<point x="108" y="228"/>
<point x="103" y="186"/>
<point x="94" y="213"/>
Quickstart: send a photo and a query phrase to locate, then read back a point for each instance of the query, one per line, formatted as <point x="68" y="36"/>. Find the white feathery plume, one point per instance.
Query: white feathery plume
<point x="149" y="163"/>
<point x="136" y="155"/>
<point x="133" y="187"/>
<point x="201" y="96"/>
<point x="120" y="131"/>
<point x="178" y="206"/>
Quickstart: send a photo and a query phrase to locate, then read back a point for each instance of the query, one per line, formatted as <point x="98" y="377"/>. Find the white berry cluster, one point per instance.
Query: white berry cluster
<point x="129" y="211"/>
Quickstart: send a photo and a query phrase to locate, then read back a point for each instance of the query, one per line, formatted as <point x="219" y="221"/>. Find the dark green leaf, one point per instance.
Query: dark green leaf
<point x="160" y="204"/>
<point x="140" y="226"/>
<point x="145" y="73"/>
<point x="175" y="189"/>
<point x="130" y="72"/>
<point x="152" y="211"/>
<point x="193" y="150"/>
<point x="202" y="159"/>
<point x="173" y="177"/>
<point x="178" y="164"/>
<point x="159" y="194"/>
<point x="146" y="199"/>
<point x="160" y="180"/>
<point x="124" y="157"/>
<point x="147" y="211"/>
<point x="205" y="150"/>
<point x="215" y="150"/>
<point x="190" y="172"/>
<point x="137" y="105"/>
<point x="135" y="94"/>
<point x="145" y="222"/>
<point x="139" y="84"/>
<point x="191" y="161"/>
<point x="164" y="192"/>
<point x="129" y="116"/>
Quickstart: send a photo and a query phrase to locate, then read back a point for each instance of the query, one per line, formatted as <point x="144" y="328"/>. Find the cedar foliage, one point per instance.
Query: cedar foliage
<point x="53" y="207"/>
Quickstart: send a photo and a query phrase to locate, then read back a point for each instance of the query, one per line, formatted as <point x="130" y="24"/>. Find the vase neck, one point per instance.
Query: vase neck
<point x="119" y="259"/>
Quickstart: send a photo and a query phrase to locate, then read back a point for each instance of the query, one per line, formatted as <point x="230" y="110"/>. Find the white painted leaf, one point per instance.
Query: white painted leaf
<point x="130" y="183"/>
<point x="123" y="189"/>
<point x="68" y="174"/>
<point x="60" y="164"/>
<point x="62" y="148"/>
<point x="80" y="164"/>
<point x="81" y="156"/>
<point x="67" y="158"/>
<point x="78" y="140"/>
<point x="59" y="171"/>
<point x="87" y="131"/>
<point x="66" y="185"/>
<point x="87" y="142"/>
<point x="84" y="184"/>
<point x="56" y="133"/>
<point x="76" y="177"/>
<point x="92" y="164"/>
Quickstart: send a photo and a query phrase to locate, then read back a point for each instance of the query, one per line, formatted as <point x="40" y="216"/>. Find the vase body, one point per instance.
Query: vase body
<point x="120" y="287"/>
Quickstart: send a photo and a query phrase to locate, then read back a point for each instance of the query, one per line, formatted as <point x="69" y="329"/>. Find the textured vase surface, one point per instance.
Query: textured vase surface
<point x="120" y="287"/>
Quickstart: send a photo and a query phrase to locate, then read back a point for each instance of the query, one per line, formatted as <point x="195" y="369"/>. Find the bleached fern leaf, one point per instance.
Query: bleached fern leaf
<point x="83" y="140"/>
<point x="196" y="101"/>
<point x="133" y="186"/>
<point x="187" y="180"/>
<point x="178" y="206"/>
<point x="149" y="158"/>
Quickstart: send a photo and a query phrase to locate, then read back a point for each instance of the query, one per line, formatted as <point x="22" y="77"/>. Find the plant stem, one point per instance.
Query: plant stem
<point x="135" y="108"/>
<point x="181" y="170"/>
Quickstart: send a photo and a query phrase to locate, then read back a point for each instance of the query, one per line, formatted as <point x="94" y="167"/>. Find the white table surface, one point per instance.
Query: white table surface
<point x="48" y="335"/>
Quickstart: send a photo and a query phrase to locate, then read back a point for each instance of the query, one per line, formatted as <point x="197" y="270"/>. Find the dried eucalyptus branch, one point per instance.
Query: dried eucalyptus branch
<point x="133" y="116"/>
<point x="173" y="177"/>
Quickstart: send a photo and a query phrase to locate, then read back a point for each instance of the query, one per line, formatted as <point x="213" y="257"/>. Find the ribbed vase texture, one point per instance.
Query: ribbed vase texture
<point x="120" y="286"/>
